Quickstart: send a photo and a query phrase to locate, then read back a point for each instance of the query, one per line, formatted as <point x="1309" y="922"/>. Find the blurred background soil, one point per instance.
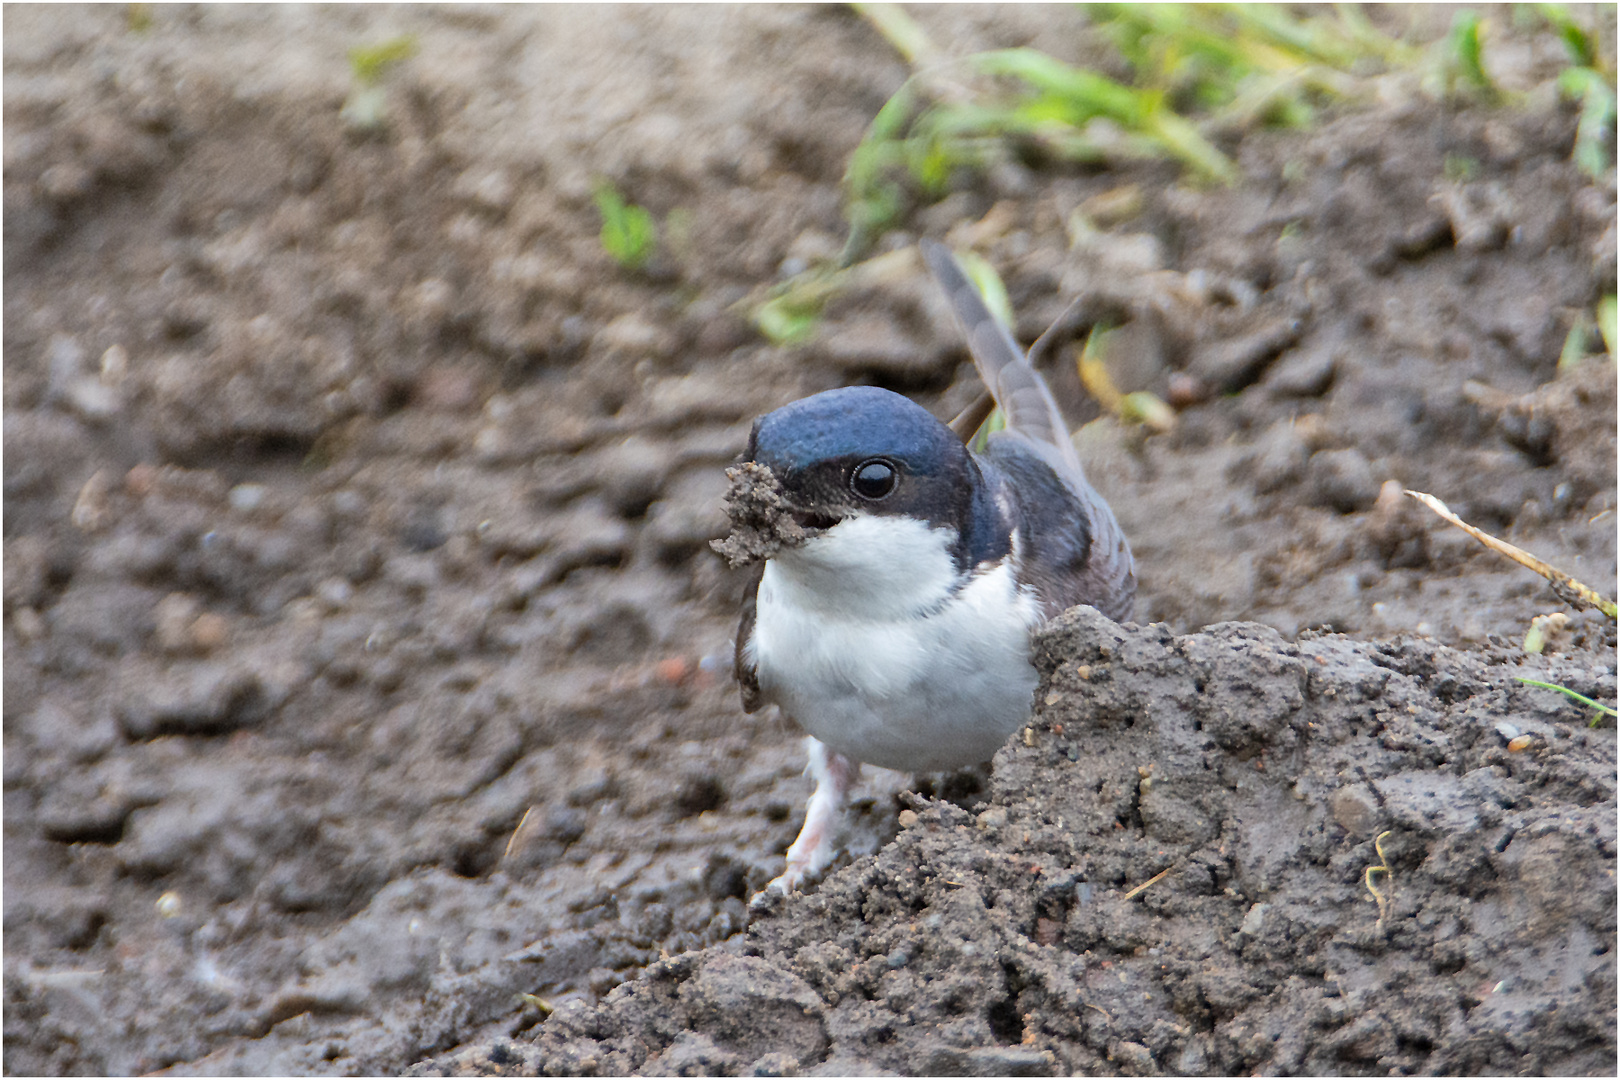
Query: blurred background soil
<point x="367" y="670"/>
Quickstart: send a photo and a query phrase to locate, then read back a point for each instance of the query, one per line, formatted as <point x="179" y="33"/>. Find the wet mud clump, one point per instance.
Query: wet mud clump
<point x="764" y="520"/>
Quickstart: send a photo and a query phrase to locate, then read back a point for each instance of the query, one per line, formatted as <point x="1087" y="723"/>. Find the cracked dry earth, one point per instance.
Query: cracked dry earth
<point x="366" y="662"/>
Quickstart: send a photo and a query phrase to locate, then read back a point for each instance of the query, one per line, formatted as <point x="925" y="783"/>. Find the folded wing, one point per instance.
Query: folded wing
<point x="1088" y="560"/>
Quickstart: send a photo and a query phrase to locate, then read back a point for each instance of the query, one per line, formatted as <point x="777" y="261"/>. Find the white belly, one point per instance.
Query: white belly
<point x="859" y="638"/>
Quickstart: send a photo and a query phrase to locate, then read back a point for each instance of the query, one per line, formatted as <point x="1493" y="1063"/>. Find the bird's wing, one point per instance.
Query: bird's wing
<point x="1084" y="561"/>
<point x="1074" y="550"/>
<point x="746" y="670"/>
<point x="1025" y="399"/>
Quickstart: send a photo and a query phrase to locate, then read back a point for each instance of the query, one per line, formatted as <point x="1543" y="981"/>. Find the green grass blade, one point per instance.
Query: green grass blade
<point x="1183" y="140"/>
<point x="1576" y="40"/>
<point x="899" y="29"/>
<point x="1466" y="53"/>
<point x="1601" y="708"/>
<point x="1594" y="132"/>
<point x="1086" y="92"/>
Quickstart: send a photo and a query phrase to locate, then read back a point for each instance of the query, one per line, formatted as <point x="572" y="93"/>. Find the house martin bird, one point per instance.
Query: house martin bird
<point x="902" y="572"/>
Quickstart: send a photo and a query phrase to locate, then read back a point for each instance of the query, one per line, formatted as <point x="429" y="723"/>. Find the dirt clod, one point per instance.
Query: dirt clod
<point x="762" y="517"/>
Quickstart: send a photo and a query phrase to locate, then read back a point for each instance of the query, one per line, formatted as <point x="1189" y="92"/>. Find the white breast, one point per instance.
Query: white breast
<point x="868" y="638"/>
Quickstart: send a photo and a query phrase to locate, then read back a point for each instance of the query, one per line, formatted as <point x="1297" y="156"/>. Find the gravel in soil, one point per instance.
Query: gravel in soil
<point x="366" y="666"/>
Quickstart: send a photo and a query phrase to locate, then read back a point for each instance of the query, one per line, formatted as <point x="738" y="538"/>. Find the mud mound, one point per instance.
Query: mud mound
<point x="1172" y="875"/>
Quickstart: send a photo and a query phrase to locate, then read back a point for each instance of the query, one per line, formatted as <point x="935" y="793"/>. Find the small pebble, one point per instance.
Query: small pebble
<point x="1342" y="480"/>
<point x="66" y="181"/>
<point x="140" y="480"/>
<point x="245" y="498"/>
<point x="633" y="335"/>
<point x="209" y="631"/>
<point x="349" y="503"/>
<point x="173" y="617"/>
<point x="1355" y="809"/>
<point x="431" y="299"/>
<point x="1186" y="390"/>
<point x="91" y="511"/>
<point x="114" y="365"/>
<point x="1114" y="205"/>
<point x="493" y="191"/>
<point x="448" y="388"/>
<point x="672" y="670"/>
<point x="92" y="399"/>
<point x="27" y="624"/>
<point x="335" y="592"/>
<point x="64" y="359"/>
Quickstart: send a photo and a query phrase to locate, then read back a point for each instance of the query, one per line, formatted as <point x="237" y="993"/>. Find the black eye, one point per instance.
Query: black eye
<point x="873" y="479"/>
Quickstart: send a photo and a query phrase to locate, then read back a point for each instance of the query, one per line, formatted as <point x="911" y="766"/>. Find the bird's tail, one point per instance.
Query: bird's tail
<point x="1020" y="391"/>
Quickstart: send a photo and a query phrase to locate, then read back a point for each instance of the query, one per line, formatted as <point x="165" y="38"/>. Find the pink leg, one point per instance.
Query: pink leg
<point x="813" y="850"/>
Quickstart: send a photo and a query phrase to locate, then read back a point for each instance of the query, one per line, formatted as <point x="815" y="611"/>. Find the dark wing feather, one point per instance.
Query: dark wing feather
<point x="1075" y="540"/>
<point x="1074" y="551"/>
<point x="1024" y="397"/>
<point x="747" y="674"/>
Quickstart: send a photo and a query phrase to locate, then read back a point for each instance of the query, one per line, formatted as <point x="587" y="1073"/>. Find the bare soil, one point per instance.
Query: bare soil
<point x="367" y="667"/>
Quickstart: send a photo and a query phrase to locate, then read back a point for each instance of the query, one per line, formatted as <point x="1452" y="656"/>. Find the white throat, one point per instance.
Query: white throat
<point x="877" y="568"/>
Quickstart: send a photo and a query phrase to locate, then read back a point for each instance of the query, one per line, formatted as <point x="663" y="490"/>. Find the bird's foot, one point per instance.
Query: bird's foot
<point x="815" y="848"/>
<point x="811" y="853"/>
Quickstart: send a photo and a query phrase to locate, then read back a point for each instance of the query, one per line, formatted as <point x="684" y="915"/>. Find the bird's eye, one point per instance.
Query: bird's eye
<point x="873" y="479"/>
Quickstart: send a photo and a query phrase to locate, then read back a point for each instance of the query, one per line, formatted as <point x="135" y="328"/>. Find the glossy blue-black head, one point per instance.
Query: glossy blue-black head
<point x="862" y="449"/>
<point x="852" y="422"/>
